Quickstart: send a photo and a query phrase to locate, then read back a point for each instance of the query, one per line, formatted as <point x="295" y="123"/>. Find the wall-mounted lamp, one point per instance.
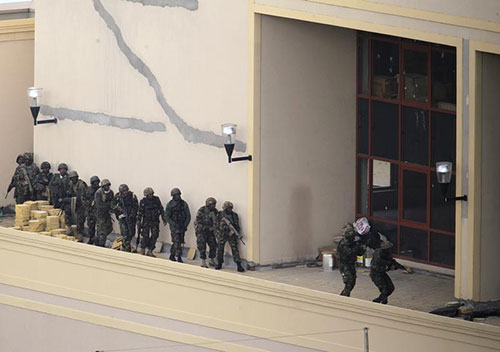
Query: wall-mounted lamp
<point x="33" y="96"/>
<point x="443" y="172"/>
<point x="229" y="130"/>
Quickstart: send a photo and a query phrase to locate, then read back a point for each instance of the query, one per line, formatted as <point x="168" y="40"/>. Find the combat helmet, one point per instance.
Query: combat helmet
<point x="45" y="165"/>
<point x="210" y="201"/>
<point x="62" y="166"/>
<point x="72" y="174"/>
<point x="148" y="191"/>
<point x="123" y="188"/>
<point x="20" y="156"/>
<point x="105" y="182"/>
<point x="348" y="230"/>
<point x="227" y="204"/>
<point x="28" y="156"/>
<point x="175" y="191"/>
<point x="94" y="179"/>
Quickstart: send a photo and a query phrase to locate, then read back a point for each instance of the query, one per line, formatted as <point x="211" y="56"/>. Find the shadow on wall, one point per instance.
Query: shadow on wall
<point x="300" y="214"/>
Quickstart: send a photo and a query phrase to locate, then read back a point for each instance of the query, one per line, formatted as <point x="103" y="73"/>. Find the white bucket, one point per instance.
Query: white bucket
<point x="368" y="262"/>
<point x="359" y="260"/>
<point x="327" y="262"/>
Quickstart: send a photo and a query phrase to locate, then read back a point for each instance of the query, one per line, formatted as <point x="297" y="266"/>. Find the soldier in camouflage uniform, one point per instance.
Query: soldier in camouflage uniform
<point x="75" y="202"/>
<point x="14" y="180"/>
<point x="90" y="209"/>
<point x="204" y="226"/>
<point x="103" y="198"/>
<point x="25" y="179"/>
<point x="125" y="206"/>
<point x="177" y="215"/>
<point x="148" y="220"/>
<point x="32" y="170"/>
<point x="42" y="182"/>
<point x="382" y="262"/>
<point x="59" y="185"/>
<point x="348" y="249"/>
<point x="228" y="229"/>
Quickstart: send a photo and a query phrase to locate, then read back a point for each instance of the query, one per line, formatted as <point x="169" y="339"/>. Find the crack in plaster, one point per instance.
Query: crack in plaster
<point x="103" y="119"/>
<point x="191" y="5"/>
<point x="190" y="134"/>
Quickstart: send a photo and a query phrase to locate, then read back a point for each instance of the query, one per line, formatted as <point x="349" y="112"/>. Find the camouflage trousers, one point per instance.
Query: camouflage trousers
<point x="233" y="242"/>
<point x="204" y="238"/>
<point x="150" y="231"/>
<point x="383" y="283"/>
<point x="177" y="241"/>
<point x="348" y="272"/>
<point x="22" y="194"/>
<point x="91" y="222"/>
<point x="80" y="218"/>
<point x="104" y="228"/>
<point x="127" y="230"/>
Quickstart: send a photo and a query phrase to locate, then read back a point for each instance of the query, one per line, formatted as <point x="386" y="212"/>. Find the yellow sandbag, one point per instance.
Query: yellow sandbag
<point x="61" y="236"/>
<point x="55" y="212"/>
<point x="36" y="226"/>
<point x="46" y="207"/>
<point x="38" y="214"/>
<point x="21" y="223"/>
<point x="32" y="204"/>
<point x="26" y="228"/>
<point x="46" y="233"/>
<point x="52" y="222"/>
<point x="42" y="202"/>
<point x="22" y="210"/>
<point x="58" y="232"/>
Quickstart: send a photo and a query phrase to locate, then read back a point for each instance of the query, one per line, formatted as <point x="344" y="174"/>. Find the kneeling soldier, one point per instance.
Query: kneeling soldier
<point x="148" y="220"/>
<point x="177" y="215"/>
<point x="228" y="230"/>
<point x="204" y="226"/>
<point x="125" y="206"/>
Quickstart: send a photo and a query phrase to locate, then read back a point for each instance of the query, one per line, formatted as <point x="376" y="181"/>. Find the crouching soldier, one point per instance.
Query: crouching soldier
<point x="204" y="226"/>
<point x="103" y="198"/>
<point x="382" y="262"/>
<point x="125" y="206"/>
<point x="90" y="210"/>
<point x="74" y="204"/>
<point x="177" y="215"/>
<point x="42" y="182"/>
<point x="228" y="231"/>
<point x="148" y="220"/>
<point x="348" y="249"/>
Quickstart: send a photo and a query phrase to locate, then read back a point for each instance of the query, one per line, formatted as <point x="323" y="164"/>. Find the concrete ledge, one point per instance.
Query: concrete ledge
<point x="224" y="300"/>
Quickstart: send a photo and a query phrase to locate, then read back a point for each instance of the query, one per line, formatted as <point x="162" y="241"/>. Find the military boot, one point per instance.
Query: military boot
<point x="150" y="253"/>
<point x="143" y="251"/>
<point x="204" y="263"/>
<point x="218" y="266"/>
<point x="240" y="268"/>
<point x="179" y="259"/>
<point x="80" y="237"/>
<point x="172" y="258"/>
<point x="211" y="262"/>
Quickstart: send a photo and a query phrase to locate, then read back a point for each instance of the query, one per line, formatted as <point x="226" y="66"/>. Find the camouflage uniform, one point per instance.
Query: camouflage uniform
<point x="103" y="201"/>
<point x="32" y="170"/>
<point x="224" y="233"/>
<point x="42" y="182"/>
<point x="125" y="207"/>
<point x="58" y="186"/>
<point x="90" y="208"/>
<point x="177" y="215"/>
<point x="14" y="180"/>
<point x="148" y="222"/>
<point x="348" y="250"/>
<point x="204" y="225"/>
<point x="25" y="179"/>
<point x="381" y="263"/>
<point x="78" y="191"/>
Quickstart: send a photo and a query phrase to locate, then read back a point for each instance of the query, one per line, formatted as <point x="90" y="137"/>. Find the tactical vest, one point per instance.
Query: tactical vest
<point x="178" y="213"/>
<point x="151" y="209"/>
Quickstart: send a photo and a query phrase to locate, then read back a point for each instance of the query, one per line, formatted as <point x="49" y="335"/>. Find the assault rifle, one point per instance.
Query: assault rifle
<point x="233" y="230"/>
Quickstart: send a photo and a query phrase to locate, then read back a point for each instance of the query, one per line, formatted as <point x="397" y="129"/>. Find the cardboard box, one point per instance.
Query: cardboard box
<point x="38" y="214"/>
<point x="42" y="202"/>
<point x="415" y="87"/>
<point x="23" y="211"/>
<point x="55" y="212"/>
<point x="46" y="207"/>
<point x="385" y="87"/>
<point x="32" y="204"/>
<point x="36" y="226"/>
<point x="52" y="222"/>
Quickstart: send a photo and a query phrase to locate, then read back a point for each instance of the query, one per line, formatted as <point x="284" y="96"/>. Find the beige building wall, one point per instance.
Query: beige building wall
<point x="141" y="92"/>
<point x="308" y="123"/>
<point x="490" y="176"/>
<point x="16" y="134"/>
